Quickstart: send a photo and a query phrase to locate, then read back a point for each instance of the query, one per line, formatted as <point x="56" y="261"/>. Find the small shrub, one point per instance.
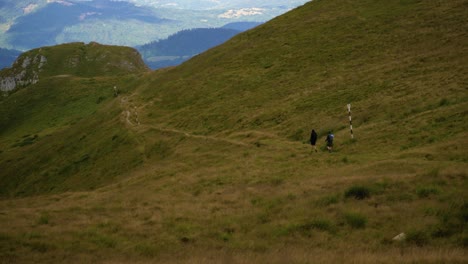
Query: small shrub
<point x="100" y="99"/>
<point x="358" y="192"/>
<point x="356" y="220"/>
<point x="185" y="239"/>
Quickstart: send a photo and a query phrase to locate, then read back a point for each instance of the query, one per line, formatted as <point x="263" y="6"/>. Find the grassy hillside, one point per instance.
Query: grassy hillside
<point x="209" y="161"/>
<point x="295" y="76"/>
<point x="56" y="131"/>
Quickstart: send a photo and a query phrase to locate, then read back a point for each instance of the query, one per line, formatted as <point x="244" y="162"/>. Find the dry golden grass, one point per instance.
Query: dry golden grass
<point x="224" y="213"/>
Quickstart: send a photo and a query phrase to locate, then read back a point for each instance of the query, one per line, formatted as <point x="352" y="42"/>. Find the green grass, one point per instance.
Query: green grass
<point x="219" y="166"/>
<point x="61" y="116"/>
<point x="355" y="220"/>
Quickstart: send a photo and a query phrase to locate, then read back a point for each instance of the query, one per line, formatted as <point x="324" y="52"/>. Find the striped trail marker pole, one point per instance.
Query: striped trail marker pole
<point x="350" y="122"/>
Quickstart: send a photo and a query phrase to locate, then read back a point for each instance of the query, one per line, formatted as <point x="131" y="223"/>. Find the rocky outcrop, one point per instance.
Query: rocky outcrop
<point x="25" y="71"/>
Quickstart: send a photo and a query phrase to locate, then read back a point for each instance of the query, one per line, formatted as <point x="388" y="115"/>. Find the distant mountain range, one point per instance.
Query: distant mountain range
<point x="172" y="51"/>
<point x="187" y="43"/>
<point x="214" y="4"/>
<point x="29" y="24"/>
<point x="59" y="22"/>
<point x="34" y="23"/>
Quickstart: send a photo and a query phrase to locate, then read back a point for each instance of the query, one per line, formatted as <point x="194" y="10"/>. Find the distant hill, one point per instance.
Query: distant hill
<point x="77" y="59"/>
<point x="7" y="57"/>
<point x="183" y="45"/>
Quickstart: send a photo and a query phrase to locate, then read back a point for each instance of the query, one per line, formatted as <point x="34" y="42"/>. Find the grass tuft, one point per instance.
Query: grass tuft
<point x="355" y="220"/>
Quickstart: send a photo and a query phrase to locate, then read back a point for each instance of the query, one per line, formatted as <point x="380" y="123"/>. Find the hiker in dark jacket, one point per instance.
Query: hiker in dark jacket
<point x="329" y="141"/>
<point x="313" y="139"/>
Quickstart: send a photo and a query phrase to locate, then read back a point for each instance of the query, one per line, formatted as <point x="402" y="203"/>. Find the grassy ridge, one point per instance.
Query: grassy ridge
<point x="212" y="160"/>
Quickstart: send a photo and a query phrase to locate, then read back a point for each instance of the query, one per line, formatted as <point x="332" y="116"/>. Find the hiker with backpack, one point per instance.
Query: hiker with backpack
<point x="329" y="141"/>
<point x="313" y="139"/>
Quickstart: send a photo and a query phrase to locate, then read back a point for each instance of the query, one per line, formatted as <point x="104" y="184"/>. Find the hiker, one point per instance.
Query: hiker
<point x="313" y="139"/>
<point x="329" y="141"/>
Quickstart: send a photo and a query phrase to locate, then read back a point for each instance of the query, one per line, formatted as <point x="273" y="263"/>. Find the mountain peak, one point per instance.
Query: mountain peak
<point x="78" y="59"/>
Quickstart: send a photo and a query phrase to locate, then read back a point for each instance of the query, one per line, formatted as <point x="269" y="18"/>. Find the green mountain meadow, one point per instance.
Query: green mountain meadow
<point x="209" y="161"/>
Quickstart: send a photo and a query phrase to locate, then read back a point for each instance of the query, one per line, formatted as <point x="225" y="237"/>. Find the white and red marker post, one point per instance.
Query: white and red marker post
<point x="350" y="121"/>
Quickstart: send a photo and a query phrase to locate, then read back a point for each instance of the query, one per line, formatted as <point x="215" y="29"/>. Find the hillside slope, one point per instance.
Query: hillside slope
<point x="289" y="76"/>
<point x="61" y="103"/>
<point x="209" y="161"/>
